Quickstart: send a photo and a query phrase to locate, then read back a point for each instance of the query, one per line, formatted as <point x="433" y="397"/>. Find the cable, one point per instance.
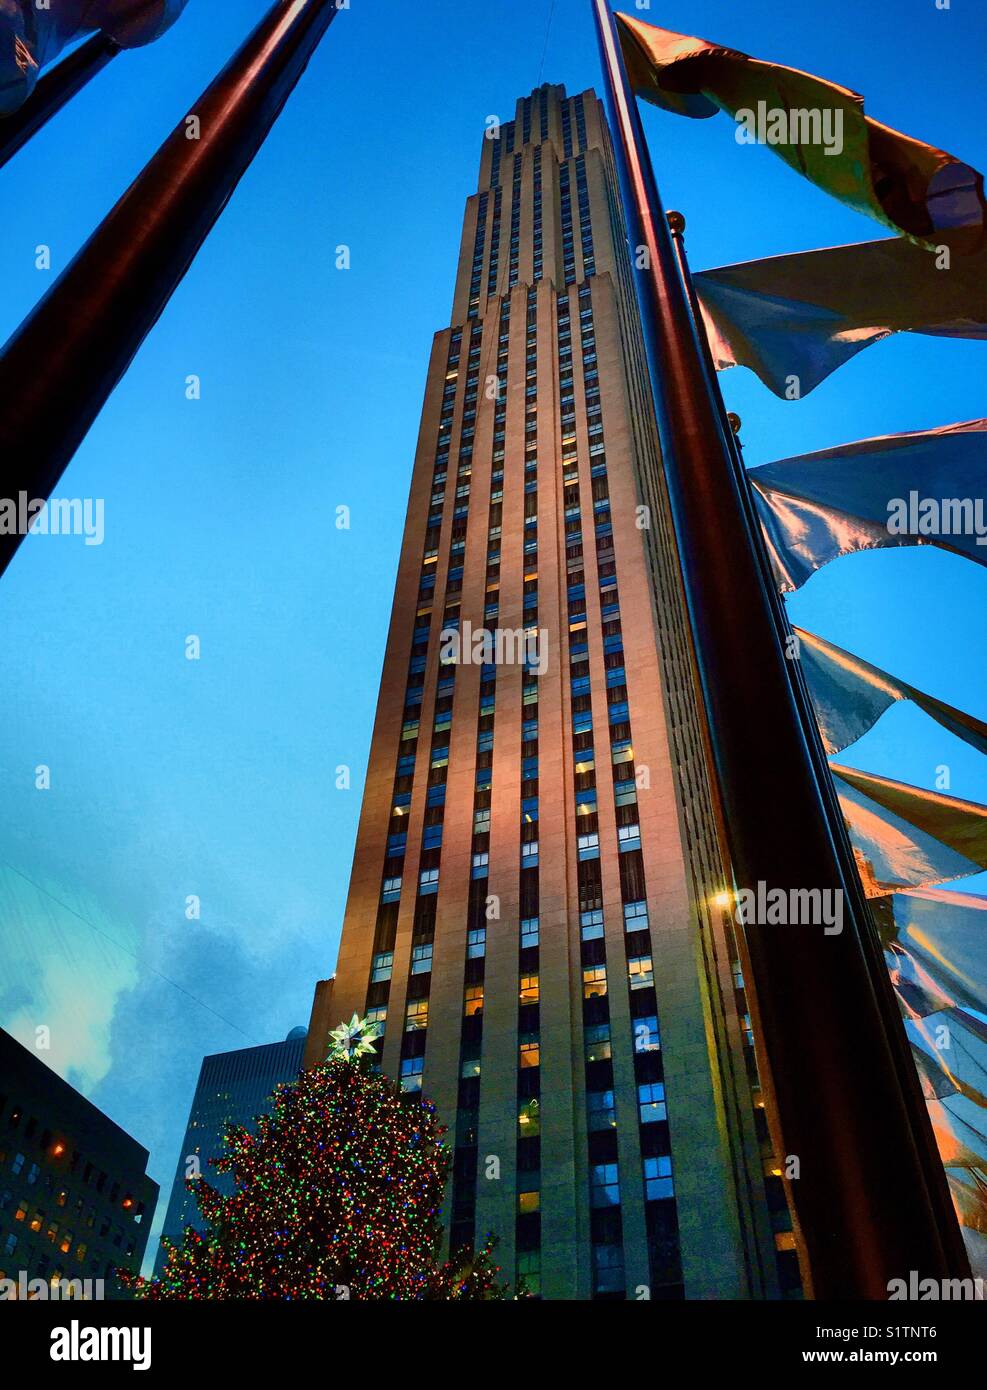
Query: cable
<point x="548" y="30"/>
<point x="133" y="954"/>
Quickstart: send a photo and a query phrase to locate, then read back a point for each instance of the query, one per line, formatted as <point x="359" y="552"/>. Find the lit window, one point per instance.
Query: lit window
<point x="594" y="981"/>
<point x="528" y="989"/>
<point x="416" y="1015"/>
<point x="528" y="1201"/>
<point x="529" y="1051"/>
<point x="473" y="1000"/>
<point x="640" y="972"/>
<point x="529" y="1119"/>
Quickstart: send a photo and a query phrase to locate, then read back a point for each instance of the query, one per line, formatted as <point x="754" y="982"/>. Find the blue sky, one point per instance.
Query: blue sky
<point x="217" y="777"/>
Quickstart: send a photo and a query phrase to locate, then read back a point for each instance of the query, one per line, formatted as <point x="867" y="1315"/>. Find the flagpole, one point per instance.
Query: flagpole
<point x="59" y="368"/>
<point x="870" y="1202"/>
<point x="53" y="91"/>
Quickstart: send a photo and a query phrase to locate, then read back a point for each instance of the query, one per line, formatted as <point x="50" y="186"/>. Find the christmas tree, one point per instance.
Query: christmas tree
<point x="336" y="1195"/>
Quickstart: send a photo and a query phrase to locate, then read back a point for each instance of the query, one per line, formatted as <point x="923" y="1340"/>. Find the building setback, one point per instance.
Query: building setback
<point x="233" y="1088"/>
<point x="532" y="910"/>
<point x="75" y="1198"/>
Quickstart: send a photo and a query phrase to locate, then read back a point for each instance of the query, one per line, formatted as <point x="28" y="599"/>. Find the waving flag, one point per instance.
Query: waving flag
<point x="794" y="319"/>
<point x="32" y="35"/>
<point x="906" y="837"/>
<point x="817" y="127"/>
<point x="923" y="488"/>
<point x="935" y="946"/>
<point x="850" y="695"/>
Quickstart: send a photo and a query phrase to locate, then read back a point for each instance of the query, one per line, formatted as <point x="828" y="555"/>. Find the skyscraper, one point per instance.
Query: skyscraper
<point x="233" y="1088"/>
<point x="75" y="1199"/>
<point x="532" y="913"/>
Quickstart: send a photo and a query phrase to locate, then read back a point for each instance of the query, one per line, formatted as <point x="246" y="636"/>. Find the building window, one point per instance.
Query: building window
<point x="591" y="924"/>
<point x="391" y="891"/>
<point x="421" y="958"/>
<point x="473" y="1000"/>
<point x="594" y="981"/>
<point x="428" y="882"/>
<point x="528" y="989"/>
<point x="640" y="972"/>
<point x="529" y="1271"/>
<point x="416" y="1015"/>
<point x="646" y="1036"/>
<point x="600" y="1110"/>
<point x="628" y="837"/>
<point x="651" y="1102"/>
<point x="597" y="1042"/>
<point x="411" y="1073"/>
<point x="528" y="1202"/>
<point x="529" y="1051"/>
<point x="604" y="1185"/>
<point x="529" y="1119"/>
<point x="635" y="916"/>
<point x="529" y="931"/>
<point x="476" y="943"/>
<point x="381" y="967"/>
<point x="658" y="1178"/>
<point x="608" y="1268"/>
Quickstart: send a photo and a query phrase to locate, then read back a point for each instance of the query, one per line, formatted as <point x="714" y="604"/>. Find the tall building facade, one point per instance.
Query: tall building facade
<point x="531" y="916"/>
<point x="233" y="1088"/>
<point x="75" y="1199"/>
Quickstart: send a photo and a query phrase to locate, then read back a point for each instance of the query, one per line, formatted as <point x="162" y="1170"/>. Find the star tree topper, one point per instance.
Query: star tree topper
<point x="353" y="1039"/>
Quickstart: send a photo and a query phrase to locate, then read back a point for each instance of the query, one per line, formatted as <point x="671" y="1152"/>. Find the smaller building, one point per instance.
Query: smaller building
<point x="75" y="1199"/>
<point x="233" y="1088"/>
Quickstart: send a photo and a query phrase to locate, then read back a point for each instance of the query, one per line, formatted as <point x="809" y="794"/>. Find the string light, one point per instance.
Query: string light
<point x="337" y="1194"/>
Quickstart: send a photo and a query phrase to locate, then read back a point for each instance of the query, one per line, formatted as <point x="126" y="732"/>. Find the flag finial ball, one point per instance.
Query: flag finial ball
<point x="676" y="223"/>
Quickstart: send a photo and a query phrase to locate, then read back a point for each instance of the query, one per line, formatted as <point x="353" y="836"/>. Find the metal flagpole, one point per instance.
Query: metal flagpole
<point x="53" y="91"/>
<point x="62" y="364"/>
<point x="871" y="1201"/>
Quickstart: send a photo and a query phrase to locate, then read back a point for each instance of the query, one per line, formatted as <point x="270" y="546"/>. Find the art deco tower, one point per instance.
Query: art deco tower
<point x="531" y="913"/>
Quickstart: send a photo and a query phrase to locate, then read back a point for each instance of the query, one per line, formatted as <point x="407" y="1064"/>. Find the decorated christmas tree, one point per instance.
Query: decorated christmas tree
<point x="336" y="1195"/>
